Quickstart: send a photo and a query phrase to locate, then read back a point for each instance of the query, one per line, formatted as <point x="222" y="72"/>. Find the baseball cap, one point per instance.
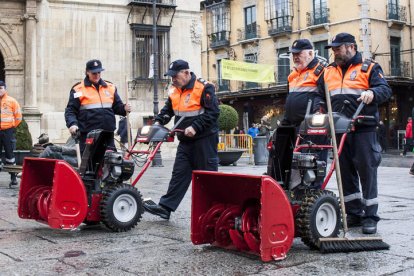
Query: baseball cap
<point x="176" y="66"/>
<point x="299" y="45"/>
<point x="340" y="39"/>
<point x="94" y="66"/>
<point x="2" y="83"/>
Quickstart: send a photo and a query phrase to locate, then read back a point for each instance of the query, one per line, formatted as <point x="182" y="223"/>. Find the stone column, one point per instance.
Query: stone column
<point x="31" y="111"/>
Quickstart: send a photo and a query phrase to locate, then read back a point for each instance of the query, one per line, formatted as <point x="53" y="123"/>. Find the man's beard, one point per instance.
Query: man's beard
<point x="342" y="60"/>
<point x="303" y="65"/>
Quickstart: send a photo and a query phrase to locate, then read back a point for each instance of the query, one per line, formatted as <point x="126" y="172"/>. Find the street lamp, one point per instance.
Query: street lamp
<point x="157" y="161"/>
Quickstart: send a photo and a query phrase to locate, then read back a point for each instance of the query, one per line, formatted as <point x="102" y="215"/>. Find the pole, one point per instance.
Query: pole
<point x="157" y="161"/>
<point x="127" y="115"/>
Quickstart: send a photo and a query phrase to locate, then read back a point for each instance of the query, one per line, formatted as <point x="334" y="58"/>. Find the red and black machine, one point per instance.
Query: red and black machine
<point x="55" y="193"/>
<point x="263" y="214"/>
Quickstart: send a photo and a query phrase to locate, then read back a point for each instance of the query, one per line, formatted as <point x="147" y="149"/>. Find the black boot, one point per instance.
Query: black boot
<point x="13" y="180"/>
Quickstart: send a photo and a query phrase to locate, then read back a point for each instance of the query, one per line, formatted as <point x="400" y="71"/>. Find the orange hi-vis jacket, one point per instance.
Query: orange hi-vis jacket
<point x="304" y="81"/>
<point x="354" y="82"/>
<point x="11" y="113"/>
<point x="197" y="103"/>
<point x="188" y="102"/>
<point x="89" y="99"/>
<point x="91" y="107"/>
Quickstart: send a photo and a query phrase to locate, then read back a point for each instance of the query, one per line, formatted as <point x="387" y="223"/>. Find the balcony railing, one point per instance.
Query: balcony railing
<point x="250" y="32"/>
<point x="317" y="17"/>
<point x="171" y="3"/>
<point x="396" y="12"/>
<point x="223" y="85"/>
<point x="279" y="26"/>
<point x="400" y="70"/>
<point x="219" y="39"/>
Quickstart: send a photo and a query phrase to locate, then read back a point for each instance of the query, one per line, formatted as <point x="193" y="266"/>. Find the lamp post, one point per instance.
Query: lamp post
<point x="157" y="161"/>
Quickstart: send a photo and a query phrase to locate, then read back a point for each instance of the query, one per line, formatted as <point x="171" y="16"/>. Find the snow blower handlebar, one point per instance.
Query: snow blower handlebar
<point x="76" y="137"/>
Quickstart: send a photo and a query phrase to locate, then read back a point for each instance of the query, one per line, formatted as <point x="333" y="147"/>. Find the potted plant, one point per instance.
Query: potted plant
<point x="228" y="119"/>
<point x="24" y="142"/>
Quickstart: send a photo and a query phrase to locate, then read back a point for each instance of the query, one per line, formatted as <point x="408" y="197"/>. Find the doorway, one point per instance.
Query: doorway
<point x="2" y="71"/>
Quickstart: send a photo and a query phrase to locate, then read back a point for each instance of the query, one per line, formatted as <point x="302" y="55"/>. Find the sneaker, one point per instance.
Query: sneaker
<point x="369" y="226"/>
<point x="353" y="221"/>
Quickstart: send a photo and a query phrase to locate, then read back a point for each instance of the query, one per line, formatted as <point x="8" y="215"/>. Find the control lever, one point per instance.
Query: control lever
<point x="345" y="105"/>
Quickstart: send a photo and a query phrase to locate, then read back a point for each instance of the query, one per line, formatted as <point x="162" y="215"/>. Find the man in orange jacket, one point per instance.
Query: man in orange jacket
<point x="93" y="104"/>
<point x="194" y="99"/>
<point x="350" y="81"/>
<point x="11" y="117"/>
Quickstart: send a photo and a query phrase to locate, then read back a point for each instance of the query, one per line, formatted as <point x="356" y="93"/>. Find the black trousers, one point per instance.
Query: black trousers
<point x="8" y="143"/>
<point x="359" y="162"/>
<point x="200" y="154"/>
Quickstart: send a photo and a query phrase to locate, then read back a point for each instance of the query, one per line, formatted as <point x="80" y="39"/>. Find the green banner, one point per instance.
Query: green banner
<point x="244" y="71"/>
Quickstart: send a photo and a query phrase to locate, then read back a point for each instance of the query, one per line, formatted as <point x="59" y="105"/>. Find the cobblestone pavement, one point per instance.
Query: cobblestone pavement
<point x="158" y="247"/>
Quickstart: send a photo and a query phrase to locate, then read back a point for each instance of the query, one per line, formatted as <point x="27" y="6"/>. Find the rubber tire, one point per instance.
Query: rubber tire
<point x="306" y="218"/>
<point x="110" y="195"/>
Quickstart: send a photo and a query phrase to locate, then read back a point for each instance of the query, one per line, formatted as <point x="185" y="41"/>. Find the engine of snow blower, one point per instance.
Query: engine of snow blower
<point x="53" y="192"/>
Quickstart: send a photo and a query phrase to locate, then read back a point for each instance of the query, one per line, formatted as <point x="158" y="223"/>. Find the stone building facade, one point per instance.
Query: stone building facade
<point x="261" y="31"/>
<point x="44" y="45"/>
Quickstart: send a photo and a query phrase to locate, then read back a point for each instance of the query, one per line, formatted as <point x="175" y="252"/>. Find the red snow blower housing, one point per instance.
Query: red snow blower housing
<point x="54" y="193"/>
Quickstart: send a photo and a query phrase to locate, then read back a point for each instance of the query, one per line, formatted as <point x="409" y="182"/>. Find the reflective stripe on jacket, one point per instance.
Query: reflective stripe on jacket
<point x="11" y="113"/>
<point x="197" y="103"/>
<point x="188" y="102"/>
<point x="93" y="107"/>
<point x="354" y="82"/>
<point x="90" y="98"/>
<point x="303" y="86"/>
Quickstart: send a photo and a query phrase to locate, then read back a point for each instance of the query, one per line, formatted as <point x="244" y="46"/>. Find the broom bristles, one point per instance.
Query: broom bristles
<point x="344" y="245"/>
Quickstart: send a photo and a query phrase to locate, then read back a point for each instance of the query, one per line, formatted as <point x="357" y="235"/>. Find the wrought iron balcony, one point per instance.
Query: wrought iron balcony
<point x="279" y="26"/>
<point x="317" y="17"/>
<point x="160" y="3"/>
<point x="223" y="85"/>
<point x="400" y="70"/>
<point x="396" y="12"/>
<point x="219" y="39"/>
<point x="250" y="32"/>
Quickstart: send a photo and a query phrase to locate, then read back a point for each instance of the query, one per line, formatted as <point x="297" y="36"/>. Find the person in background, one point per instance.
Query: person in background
<point x="10" y="118"/>
<point x="93" y="104"/>
<point x="253" y="130"/>
<point x="408" y="136"/>
<point x="237" y="132"/>
<point x="122" y="131"/>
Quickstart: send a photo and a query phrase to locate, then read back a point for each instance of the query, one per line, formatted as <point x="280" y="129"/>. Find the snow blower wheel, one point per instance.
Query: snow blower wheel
<point x="318" y="217"/>
<point x="121" y="207"/>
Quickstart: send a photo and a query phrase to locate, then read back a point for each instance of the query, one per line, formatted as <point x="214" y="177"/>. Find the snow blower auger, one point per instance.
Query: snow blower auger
<point x="262" y="214"/>
<point x="54" y="193"/>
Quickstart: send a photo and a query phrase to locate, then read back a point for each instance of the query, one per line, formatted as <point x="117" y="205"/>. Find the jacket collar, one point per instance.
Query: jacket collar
<point x="87" y="82"/>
